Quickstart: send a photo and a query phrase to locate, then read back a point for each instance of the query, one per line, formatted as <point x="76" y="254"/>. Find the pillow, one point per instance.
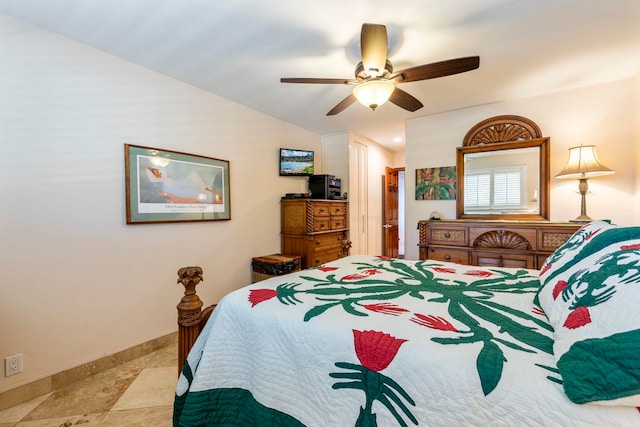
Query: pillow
<point x="590" y="292"/>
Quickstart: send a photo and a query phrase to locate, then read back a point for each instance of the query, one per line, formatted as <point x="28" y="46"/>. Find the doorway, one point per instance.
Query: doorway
<point x="393" y="212"/>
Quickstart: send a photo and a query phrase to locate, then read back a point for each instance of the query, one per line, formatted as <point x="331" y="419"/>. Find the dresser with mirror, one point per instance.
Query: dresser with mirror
<point x="502" y="204"/>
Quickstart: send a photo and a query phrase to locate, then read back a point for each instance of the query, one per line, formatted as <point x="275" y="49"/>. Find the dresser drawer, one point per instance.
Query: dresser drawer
<point x="325" y="257"/>
<point x="338" y="209"/>
<point x="456" y="236"/>
<point x="321" y="224"/>
<point x="550" y="240"/>
<point x="325" y="241"/>
<point x="321" y="209"/>
<point x="337" y="223"/>
<point x="458" y="256"/>
<point x="497" y="259"/>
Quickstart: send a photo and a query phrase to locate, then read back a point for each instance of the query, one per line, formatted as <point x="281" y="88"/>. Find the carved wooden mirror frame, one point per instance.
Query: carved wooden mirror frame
<point x="505" y="133"/>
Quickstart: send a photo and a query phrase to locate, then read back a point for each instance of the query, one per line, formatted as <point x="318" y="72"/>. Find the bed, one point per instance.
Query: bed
<point x="368" y="341"/>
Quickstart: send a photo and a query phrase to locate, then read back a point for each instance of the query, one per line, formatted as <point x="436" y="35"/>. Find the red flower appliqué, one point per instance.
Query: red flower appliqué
<point x="630" y="247"/>
<point x="558" y="288"/>
<point x="545" y="269"/>
<point x="386" y="258"/>
<point x="537" y="310"/>
<point x="577" y="318"/>
<point x="434" y="322"/>
<point x="479" y="273"/>
<point x="386" y="308"/>
<point x="375" y="350"/>
<point x="444" y="270"/>
<point x="361" y="275"/>
<point x="593" y="233"/>
<point x="256" y="296"/>
<point x="327" y="269"/>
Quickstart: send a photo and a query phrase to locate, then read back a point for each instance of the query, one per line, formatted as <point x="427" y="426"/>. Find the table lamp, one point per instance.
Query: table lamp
<point x="583" y="164"/>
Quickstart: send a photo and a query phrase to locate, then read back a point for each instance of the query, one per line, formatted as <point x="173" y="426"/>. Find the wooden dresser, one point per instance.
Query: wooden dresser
<point x="316" y="230"/>
<point x="524" y="244"/>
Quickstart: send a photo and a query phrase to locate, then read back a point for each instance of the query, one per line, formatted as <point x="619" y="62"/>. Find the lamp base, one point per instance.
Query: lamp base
<point x="582" y="219"/>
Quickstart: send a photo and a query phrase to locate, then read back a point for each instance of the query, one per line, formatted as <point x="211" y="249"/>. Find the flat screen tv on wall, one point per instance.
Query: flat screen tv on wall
<point x="296" y="162"/>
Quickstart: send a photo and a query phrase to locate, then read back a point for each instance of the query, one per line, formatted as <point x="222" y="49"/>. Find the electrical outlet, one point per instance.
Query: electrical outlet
<point x="12" y="365"/>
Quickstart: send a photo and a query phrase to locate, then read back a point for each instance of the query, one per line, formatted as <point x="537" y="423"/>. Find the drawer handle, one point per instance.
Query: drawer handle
<point x="322" y="225"/>
<point x="321" y="210"/>
<point x="447" y="235"/>
<point x="447" y="258"/>
<point x="317" y="242"/>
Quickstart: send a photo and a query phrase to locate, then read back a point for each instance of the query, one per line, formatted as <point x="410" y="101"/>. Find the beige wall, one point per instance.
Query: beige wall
<point x="77" y="282"/>
<point x="636" y="120"/>
<point x="605" y="115"/>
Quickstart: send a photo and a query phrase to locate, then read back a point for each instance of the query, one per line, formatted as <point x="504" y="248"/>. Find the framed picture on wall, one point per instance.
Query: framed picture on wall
<point x="171" y="186"/>
<point x="436" y="183"/>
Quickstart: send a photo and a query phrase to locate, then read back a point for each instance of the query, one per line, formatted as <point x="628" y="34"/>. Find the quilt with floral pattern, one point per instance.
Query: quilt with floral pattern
<point x="372" y="341"/>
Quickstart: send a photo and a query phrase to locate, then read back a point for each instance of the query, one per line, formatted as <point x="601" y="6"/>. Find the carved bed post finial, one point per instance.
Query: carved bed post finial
<point x="190" y="277"/>
<point x="189" y="311"/>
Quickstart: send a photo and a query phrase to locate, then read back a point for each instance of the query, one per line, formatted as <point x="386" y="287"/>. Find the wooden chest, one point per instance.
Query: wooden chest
<point x="316" y="230"/>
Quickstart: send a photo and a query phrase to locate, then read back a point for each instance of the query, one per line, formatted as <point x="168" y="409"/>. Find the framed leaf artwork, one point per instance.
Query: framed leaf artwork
<point x="436" y="183"/>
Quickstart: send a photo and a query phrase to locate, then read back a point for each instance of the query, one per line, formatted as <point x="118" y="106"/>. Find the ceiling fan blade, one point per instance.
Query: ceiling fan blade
<point x="403" y="100"/>
<point x="342" y="105"/>
<point x="318" y="81"/>
<point x="436" y="69"/>
<point x="373" y="47"/>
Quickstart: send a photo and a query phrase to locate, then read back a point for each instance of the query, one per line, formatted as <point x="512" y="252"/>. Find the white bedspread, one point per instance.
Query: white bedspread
<point x="369" y="341"/>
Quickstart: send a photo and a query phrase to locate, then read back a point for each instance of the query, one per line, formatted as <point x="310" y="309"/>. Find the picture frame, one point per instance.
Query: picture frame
<point x="436" y="183"/>
<point x="171" y="186"/>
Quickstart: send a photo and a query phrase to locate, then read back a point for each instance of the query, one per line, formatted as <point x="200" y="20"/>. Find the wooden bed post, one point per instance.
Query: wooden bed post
<point x="191" y="317"/>
<point x="189" y="312"/>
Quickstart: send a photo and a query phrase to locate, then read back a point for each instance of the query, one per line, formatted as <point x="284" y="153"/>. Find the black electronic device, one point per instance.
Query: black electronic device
<point x="325" y="187"/>
<point x="297" y="195"/>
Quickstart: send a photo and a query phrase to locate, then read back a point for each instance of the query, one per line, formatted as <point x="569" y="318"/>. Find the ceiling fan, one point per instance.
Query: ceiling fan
<point x="375" y="79"/>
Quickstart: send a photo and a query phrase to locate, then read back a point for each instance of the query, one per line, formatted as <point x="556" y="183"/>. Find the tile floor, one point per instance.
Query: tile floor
<point x="137" y="393"/>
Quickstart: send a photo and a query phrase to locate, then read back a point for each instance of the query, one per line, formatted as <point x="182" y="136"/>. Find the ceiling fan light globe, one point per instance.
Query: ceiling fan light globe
<point x="373" y="93"/>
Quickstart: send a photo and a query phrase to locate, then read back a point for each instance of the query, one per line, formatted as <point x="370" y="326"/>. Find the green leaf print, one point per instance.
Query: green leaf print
<point x="469" y="302"/>
<point x="490" y="363"/>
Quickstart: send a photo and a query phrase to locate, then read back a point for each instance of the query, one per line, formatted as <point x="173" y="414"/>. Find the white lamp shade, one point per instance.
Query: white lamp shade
<point x="373" y="93"/>
<point x="583" y="163"/>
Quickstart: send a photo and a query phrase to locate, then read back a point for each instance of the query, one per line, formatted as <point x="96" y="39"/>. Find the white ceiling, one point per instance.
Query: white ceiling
<point x="239" y="49"/>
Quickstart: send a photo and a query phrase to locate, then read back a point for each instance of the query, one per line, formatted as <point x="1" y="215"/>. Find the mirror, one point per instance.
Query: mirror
<point x="504" y="180"/>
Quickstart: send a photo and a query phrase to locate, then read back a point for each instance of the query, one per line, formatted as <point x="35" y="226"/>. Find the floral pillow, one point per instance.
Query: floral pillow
<point x="590" y="292"/>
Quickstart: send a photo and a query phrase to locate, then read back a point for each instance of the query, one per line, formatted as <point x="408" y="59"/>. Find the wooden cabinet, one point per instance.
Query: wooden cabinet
<point x="316" y="230"/>
<point x="522" y="244"/>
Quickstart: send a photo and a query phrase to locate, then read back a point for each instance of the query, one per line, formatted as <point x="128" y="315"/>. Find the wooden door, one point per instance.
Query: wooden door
<point x="391" y="212"/>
